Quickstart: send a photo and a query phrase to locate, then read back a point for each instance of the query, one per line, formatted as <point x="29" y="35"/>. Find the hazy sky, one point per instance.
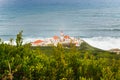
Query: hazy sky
<point x="38" y="2"/>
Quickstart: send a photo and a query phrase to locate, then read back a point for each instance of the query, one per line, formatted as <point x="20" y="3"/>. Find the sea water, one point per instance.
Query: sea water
<point x="100" y="27"/>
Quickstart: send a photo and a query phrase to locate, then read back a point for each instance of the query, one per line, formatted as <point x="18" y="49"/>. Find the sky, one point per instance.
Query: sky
<point x="4" y="3"/>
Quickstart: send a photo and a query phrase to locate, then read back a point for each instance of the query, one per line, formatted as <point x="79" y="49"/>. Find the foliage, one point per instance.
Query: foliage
<point x="19" y="39"/>
<point x="23" y="62"/>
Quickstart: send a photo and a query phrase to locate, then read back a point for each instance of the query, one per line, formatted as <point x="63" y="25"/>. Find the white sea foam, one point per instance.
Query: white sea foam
<point x="25" y="40"/>
<point x="105" y="43"/>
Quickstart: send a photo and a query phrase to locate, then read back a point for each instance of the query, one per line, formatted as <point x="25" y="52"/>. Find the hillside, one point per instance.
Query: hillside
<point x="25" y="62"/>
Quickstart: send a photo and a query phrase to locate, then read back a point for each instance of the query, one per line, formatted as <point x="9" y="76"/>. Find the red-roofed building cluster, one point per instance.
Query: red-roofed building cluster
<point x="63" y="39"/>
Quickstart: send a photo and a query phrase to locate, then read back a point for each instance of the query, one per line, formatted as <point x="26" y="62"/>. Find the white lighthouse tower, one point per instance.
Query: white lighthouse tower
<point x="61" y="35"/>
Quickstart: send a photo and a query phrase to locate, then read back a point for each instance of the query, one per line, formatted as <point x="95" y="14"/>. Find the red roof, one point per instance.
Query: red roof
<point x="55" y="37"/>
<point x="37" y="41"/>
<point x="66" y="37"/>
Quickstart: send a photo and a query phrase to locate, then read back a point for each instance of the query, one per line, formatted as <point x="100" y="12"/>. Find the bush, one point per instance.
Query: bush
<point x="21" y="62"/>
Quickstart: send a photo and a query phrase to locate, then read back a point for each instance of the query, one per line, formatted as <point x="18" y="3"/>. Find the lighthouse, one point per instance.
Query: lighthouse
<point x="61" y="36"/>
<point x="61" y="33"/>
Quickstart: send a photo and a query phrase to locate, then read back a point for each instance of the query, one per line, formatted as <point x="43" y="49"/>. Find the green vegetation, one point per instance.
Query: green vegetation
<point x="23" y="62"/>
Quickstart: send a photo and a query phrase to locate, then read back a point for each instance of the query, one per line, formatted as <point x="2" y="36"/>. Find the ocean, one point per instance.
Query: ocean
<point x="100" y="27"/>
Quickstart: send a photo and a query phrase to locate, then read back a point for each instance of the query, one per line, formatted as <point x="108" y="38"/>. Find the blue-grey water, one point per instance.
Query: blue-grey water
<point x="99" y="26"/>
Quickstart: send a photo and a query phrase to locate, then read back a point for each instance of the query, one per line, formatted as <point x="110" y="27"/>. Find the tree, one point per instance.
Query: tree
<point x="11" y="41"/>
<point x="19" y="39"/>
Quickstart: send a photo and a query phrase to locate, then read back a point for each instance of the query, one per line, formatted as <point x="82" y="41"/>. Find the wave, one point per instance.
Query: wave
<point x="104" y="43"/>
<point x="109" y="29"/>
<point x="25" y="40"/>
